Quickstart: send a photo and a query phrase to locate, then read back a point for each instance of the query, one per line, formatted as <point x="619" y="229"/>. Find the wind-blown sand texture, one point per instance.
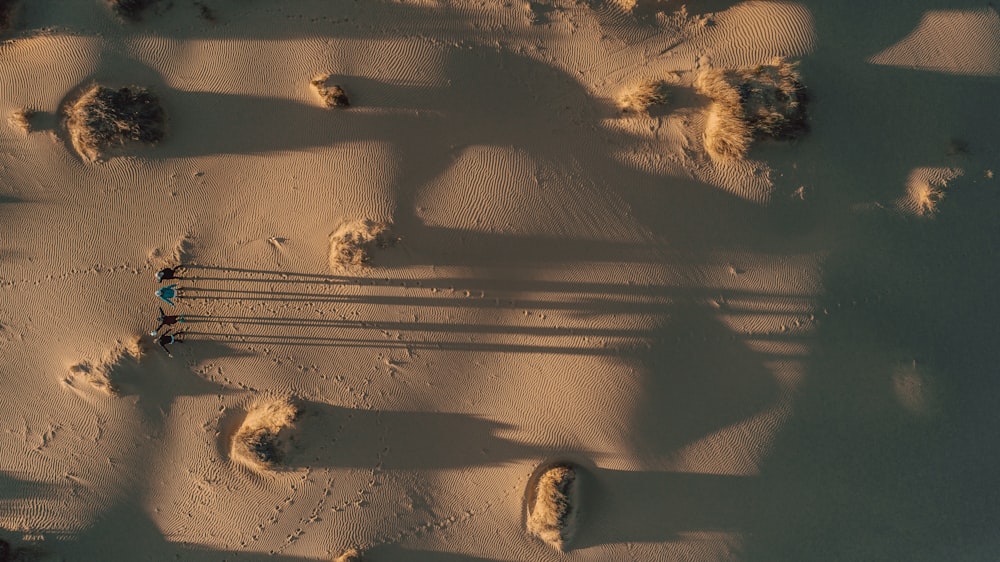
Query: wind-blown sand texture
<point x="553" y="505"/>
<point x="788" y="355"/>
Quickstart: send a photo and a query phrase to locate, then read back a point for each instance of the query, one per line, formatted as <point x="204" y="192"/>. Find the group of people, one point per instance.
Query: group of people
<point x="167" y="294"/>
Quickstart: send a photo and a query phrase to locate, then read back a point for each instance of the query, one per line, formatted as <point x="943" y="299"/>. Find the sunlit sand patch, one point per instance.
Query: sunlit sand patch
<point x="926" y="188"/>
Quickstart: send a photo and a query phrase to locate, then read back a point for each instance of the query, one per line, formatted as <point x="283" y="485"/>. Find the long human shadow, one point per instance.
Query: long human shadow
<point x="335" y="436"/>
<point x="593" y="303"/>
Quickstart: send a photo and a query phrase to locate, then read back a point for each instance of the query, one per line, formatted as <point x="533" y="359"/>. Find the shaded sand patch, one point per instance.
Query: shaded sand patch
<point x="764" y="101"/>
<point x="260" y="440"/>
<point x="641" y="97"/>
<point x="8" y="11"/>
<point x="101" y="374"/>
<point x="332" y="95"/>
<point x="104" y="118"/>
<point x="351" y="244"/>
<point x="552" y="506"/>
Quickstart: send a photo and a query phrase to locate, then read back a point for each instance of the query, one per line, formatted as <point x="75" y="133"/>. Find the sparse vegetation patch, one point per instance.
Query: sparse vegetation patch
<point x="641" y="97"/>
<point x="765" y="101"/>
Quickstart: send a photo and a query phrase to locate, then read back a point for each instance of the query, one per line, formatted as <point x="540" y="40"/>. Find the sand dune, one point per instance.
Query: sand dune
<point x="782" y="356"/>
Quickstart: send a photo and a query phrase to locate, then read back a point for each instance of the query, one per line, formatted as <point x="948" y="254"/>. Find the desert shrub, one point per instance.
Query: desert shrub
<point x="353" y="242"/>
<point x="332" y="95"/>
<point x="258" y="441"/>
<point x="552" y="506"/>
<point x="22" y="119"/>
<point x="641" y="97"/>
<point x="103" y="118"/>
<point x="765" y="101"/>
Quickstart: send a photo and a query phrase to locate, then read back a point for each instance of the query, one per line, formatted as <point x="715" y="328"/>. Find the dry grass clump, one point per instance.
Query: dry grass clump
<point x="643" y="96"/>
<point x="765" y="101"/>
<point x="552" y="506"/>
<point x="22" y="119"/>
<point x="351" y="244"/>
<point x="258" y="441"/>
<point x="130" y="10"/>
<point x="349" y="555"/>
<point x="101" y="374"/>
<point x="332" y="95"/>
<point x="103" y="118"/>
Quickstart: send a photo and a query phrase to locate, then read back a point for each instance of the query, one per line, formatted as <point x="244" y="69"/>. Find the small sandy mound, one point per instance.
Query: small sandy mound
<point x="103" y="118"/>
<point x="101" y="374"/>
<point x="351" y="244"/>
<point x="332" y="95"/>
<point x="131" y="10"/>
<point x="349" y="555"/>
<point x="552" y="506"/>
<point x="259" y="441"/>
<point x="21" y="119"/>
<point x="641" y="97"/>
<point x="766" y="101"/>
<point x="923" y="198"/>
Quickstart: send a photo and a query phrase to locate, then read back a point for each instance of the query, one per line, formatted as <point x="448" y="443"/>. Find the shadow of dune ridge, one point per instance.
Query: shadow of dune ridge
<point x="335" y="436"/>
<point x="699" y="377"/>
<point x="629" y="507"/>
<point x="875" y="466"/>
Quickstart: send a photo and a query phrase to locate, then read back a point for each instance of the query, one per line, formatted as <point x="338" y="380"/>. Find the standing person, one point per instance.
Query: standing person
<point x="166" y="320"/>
<point x="167" y="339"/>
<point x="168" y="273"/>
<point x="169" y="292"/>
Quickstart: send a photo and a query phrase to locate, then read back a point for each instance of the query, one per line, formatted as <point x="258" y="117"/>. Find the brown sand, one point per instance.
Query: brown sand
<point x="786" y="355"/>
